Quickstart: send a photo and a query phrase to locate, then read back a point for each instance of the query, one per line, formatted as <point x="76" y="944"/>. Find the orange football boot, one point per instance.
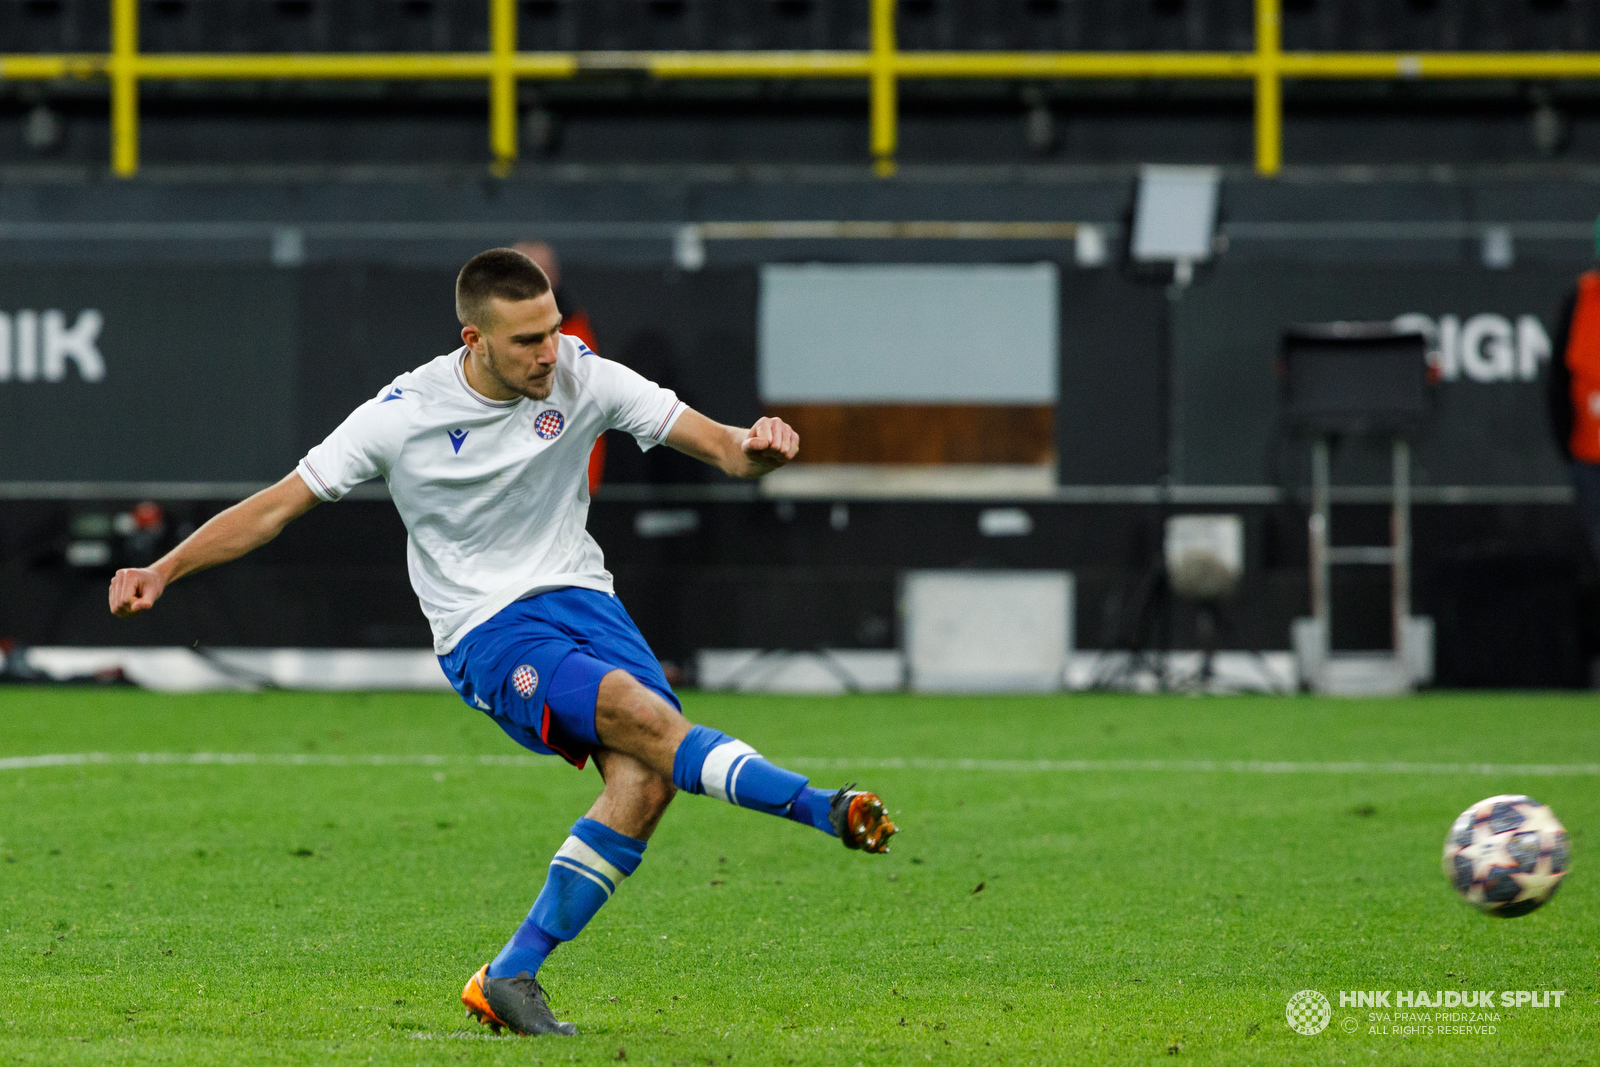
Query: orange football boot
<point x="861" y="820"/>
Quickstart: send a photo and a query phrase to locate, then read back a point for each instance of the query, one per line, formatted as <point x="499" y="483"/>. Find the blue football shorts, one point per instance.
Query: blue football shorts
<point x="535" y="668"/>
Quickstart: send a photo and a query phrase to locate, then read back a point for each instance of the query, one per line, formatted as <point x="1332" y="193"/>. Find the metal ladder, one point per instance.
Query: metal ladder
<point x="1411" y="661"/>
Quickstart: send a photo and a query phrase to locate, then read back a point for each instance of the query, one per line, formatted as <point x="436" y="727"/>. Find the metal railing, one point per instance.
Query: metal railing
<point x="882" y="66"/>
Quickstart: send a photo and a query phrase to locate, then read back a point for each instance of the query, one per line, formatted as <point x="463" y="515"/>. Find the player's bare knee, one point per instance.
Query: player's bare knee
<point x="625" y="702"/>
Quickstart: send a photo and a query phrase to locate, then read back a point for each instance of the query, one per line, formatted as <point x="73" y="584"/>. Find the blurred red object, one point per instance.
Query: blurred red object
<point x="148" y="515"/>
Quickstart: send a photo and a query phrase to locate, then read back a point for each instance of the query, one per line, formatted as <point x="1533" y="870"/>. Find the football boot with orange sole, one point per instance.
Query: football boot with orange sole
<point x="516" y="1004"/>
<point x="861" y="820"/>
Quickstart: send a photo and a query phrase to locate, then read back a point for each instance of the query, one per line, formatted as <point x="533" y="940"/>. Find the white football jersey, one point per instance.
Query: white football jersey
<point x="494" y="493"/>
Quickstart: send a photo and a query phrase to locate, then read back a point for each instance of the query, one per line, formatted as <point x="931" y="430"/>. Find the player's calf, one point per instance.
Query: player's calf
<point x="635" y="797"/>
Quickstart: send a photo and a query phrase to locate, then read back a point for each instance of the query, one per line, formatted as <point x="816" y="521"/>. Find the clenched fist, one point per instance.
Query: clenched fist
<point x="135" y="589"/>
<point x="771" y="443"/>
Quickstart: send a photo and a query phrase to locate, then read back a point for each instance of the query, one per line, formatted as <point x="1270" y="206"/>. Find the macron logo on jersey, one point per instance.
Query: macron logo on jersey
<point x="456" y="437"/>
<point x="394" y="394"/>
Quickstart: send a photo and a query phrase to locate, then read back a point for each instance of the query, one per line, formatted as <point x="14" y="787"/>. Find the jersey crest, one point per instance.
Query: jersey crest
<point x="525" y="680"/>
<point x="549" y="424"/>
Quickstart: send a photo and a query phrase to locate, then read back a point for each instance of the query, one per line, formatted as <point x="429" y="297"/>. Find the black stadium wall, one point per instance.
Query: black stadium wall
<point x="219" y="377"/>
<point x="1183" y="387"/>
<point x="227" y="374"/>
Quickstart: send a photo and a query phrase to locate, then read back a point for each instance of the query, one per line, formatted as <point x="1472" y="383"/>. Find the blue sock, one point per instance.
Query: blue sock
<point x="585" y="872"/>
<point x="811" y="809"/>
<point x="709" y="761"/>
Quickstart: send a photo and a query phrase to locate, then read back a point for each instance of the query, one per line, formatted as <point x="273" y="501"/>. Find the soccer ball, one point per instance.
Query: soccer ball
<point x="1506" y="855"/>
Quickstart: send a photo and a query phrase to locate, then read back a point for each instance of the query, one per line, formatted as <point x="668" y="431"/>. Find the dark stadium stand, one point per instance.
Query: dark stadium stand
<point x="613" y="111"/>
<point x="1109" y="25"/>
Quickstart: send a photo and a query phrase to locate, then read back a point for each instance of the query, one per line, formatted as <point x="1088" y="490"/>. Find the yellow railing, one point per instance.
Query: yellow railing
<point x="882" y="67"/>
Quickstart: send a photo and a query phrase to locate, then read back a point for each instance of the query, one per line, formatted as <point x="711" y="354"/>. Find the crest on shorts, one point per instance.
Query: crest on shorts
<point x="549" y="424"/>
<point x="525" y="680"/>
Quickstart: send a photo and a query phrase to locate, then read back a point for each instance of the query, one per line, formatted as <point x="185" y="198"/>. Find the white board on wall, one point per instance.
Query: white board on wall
<point x="987" y="631"/>
<point x="880" y="334"/>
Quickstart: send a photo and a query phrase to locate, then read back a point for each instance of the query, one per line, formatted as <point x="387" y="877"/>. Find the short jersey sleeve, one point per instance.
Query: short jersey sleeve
<point x="633" y="403"/>
<point x="364" y="446"/>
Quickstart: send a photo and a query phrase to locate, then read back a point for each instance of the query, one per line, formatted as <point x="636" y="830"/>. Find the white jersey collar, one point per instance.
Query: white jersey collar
<point x="461" y="376"/>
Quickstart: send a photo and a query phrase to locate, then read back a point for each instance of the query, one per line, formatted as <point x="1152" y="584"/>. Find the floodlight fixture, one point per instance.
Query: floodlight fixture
<point x="1175" y="217"/>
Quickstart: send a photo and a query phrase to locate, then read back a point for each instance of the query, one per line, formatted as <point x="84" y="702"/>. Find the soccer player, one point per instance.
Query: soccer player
<point x="485" y="452"/>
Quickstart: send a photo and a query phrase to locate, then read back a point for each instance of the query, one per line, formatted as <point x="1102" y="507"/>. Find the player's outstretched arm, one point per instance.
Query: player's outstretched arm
<point x="764" y="447"/>
<point x="228" y="535"/>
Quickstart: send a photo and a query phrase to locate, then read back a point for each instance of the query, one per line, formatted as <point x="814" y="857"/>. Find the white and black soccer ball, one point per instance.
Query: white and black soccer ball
<point x="1507" y="855"/>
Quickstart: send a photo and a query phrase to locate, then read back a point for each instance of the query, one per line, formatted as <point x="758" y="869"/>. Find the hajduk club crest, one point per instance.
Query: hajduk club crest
<point x="525" y="680"/>
<point x="549" y="424"/>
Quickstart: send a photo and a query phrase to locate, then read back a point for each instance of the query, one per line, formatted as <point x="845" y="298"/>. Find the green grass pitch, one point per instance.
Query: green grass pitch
<point x="328" y="913"/>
